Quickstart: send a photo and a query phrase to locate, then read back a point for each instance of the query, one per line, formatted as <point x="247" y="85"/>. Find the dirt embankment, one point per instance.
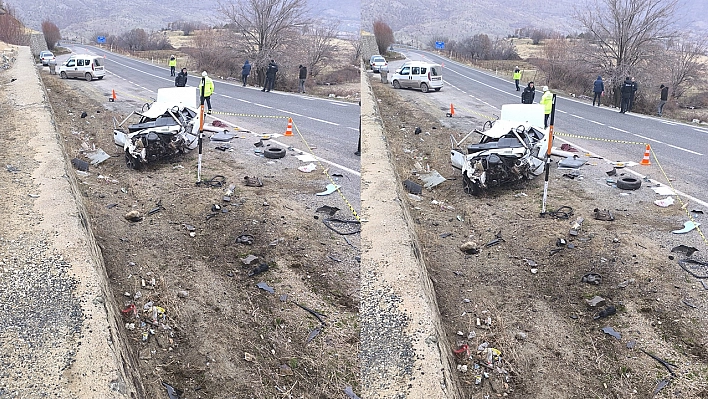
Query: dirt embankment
<point x="524" y="295"/>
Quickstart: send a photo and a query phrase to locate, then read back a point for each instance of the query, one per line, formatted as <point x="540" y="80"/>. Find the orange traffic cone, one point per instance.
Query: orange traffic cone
<point x="452" y="111"/>
<point x="645" y="160"/>
<point x="112" y="98"/>
<point x="289" y="130"/>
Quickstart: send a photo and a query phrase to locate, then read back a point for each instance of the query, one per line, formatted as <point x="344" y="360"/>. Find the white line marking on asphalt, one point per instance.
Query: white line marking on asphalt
<point x="264" y="106"/>
<point x="700" y="130"/>
<point x="562" y="112"/>
<point x="287" y="113"/>
<point x="338" y="104"/>
<point x="618" y="129"/>
<point x="353" y="128"/>
<point x="576" y="116"/>
<point x="595" y="122"/>
<point x="647" y="138"/>
<point x="323" y="121"/>
<point x="244" y="101"/>
<point x="670" y="145"/>
<point x="224" y="95"/>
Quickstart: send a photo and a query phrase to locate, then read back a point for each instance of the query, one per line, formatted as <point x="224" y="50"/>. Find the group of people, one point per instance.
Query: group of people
<point x="628" y="90"/>
<point x="208" y="83"/>
<point x="528" y="95"/>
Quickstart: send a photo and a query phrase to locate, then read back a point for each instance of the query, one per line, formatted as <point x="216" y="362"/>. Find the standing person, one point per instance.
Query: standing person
<point x="528" y="94"/>
<point x="181" y="79"/>
<point x="664" y="98"/>
<point x="302" y="76"/>
<point x="598" y="89"/>
<point x="172" y="64"/>
<point x="270" y="76"/>
<point x="631" y="96"/>
<point x="547" y="102"/>
<point x="208" y="90"/>
<point x="245" y="71"/>
<point x="517" y="77"/>
<point x="626" y="89"/>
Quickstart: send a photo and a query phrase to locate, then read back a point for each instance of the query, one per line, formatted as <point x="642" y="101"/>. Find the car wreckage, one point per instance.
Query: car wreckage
<point x="167" y="127"/>
<point x="511" y="148"/>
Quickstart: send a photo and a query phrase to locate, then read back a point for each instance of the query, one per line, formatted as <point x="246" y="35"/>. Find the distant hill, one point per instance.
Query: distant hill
<point x="86" y="17"/>
<point x="421" y="20"/>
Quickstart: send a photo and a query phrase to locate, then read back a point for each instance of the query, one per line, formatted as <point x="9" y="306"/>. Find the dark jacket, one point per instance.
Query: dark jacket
<point x="528" y="94"/>
<point x="634" y="89"/>
<point x="272" y="69"/>
<point x="665" y="93"/>
<point x="598" y="86"/>
<point x="303" y="72"/>
<point x="181" y="79"/>
<point x="627" y="88"/>
<point x="246" y="68"/>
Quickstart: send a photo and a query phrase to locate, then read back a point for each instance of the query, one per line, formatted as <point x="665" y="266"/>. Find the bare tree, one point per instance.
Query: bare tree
<point x="624" y="31"/>
<point x="384" y="35"/>
<point x="51" y="33"/>
<point x="686" y="62"/>
<point x="11" y="29"/>
<point x="356" y="47"/>
<point x="319" y="46"/>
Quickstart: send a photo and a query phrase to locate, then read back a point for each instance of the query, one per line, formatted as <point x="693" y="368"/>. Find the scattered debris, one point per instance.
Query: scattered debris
<point x="224" y="136"/>
<point x="262" y="268"/>
<point x="592" y="278"/>
<point x="349" y="392"/>
<point x="604" y="214"/>
<point x="689" y="304"/>
<point x="307" y="168"/>
<point x="576" y="226"/>
<point x="661" y="385"/>
<point x="265" y="287"/>
<point x="245" y="239"/>
<point x="252" y="181"/>
<point x="663" y="190"/>
<point x="470" y="248"/>
<point x="413" y="187"/>
<point x="329" y="189"/>
<point x="628" y="183"/>
<point x="611" y="331"/>
<point x="595" y="301"/>
<point x="606" y="312"/>
<point x="571" y="163"/>
<point x="568" y="147"/>
<point x="133" y="216"/>
<point x="317" y="315"/>
<point x="172" y="393"/>
<point x="702" y="266"/>
<point x="79" y="164"/>
<point x="497" y="240"/>
<point x="248" y="357"/>
<point x="687" y="226"/>
<point x="313" y="333"/>
<point x="249" y="259"/>
<point x="431" y="179"/>
<point x="343" y="227"/>
<point x="97" y="156"/>
<point x="683" y="249"/>
<point x="663" y="362"/>
<point x="445" y="235"/>
<point x="666" y="202"/>
<point x="613" y="172"/>
<point x="331" y="210"/>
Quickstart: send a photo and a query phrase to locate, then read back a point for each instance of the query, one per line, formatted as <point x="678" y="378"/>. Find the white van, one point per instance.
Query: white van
<point x="82" y="66"/>
<point x="418" y="75"/>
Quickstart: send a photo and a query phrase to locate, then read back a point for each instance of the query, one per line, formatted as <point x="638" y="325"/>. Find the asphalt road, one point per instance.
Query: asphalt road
<point x="330" y="127"/>
<point x="680" y="148"/>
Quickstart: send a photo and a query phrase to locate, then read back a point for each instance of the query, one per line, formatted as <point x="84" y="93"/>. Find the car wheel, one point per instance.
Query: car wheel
<point x="438" y="88"/>
<point x="131" y="162"/>
<point x="396" y="85"/>
<point x="63" y="75"/>
<point x="424" y="87"/>
<point x="629" y="183"/>
<point x="88" y="77"/>
<point x="101" y="77"/>
<point x="274" y="153"/>
<point x="470" y="187"/>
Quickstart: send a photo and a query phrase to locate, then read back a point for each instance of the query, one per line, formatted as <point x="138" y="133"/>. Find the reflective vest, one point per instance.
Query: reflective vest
<point x="173" y="62"/>
<point x="208" y="87"/>
<point x="517" y="75"/>
<point x="547" y="102"/>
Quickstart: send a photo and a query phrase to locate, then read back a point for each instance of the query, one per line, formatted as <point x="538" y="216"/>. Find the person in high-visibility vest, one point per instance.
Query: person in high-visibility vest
<point x="517" y="77"/>
<point x="547" y="102"/>
<point x="208" y="90"/>
<point x="172" y="64"/>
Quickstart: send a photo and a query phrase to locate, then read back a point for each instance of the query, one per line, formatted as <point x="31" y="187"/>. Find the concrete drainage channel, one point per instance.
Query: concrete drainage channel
<point x="404" y="352"/>
<point x="53" y="276"/>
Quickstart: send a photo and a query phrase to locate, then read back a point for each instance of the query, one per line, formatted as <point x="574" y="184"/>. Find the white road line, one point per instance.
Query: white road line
<point x="562" y="112"/>
<point x="576" y="116"/>
<point x="323" y="121"/>
<point x="224" y="95"/>
<point x="618" y="129"/>
<point x="684" y="149"/>
<point x="264" y="106"/>
<point x="338" y="104"/>
<point x="700" y="130"/>
<point x="647" y="138"/>
<point x="353" y="128"/>
<point x="287" y="112"/>
<point x="244" y="101"/>
<point x="595" y="122"/>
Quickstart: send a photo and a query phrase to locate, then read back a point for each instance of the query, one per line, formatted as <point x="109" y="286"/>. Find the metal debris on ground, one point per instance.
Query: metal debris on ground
<point x="664" y="203"/>
<point x="342" y="227"/>
<point x="331" y="210"/>
<point x="611" y="331"/>
<point x="571" y="163"/>
<point x="249" y="259"/>
<point x="317" y="315"/>
<point x="604" y="214"/>
<point x="497" y="240"/>
<point x="575" y="228"/>
<point x="660" y="385"/>
<point x="413" y="187"/>
<point x="592" y="278"/>
<point x="307" y="168"/>
<point x="350" y="392"/>
<point x="222" y="137"/>
<point x="606" y="312"/>
<point x="683" y="249"/>
<point x="698" y="269"/>
<point x="12" y="169"/>
<point x="172" y="393"/>
<point x="262" y="268"/>
<point x="252" y="181"/>
<point x="431" y="179"/>
<point x="564" y="212"/>
<point x="245" y="239"/>
<point x="687" y="226"/>
<point x="265" y="287"/>
<point x="661" y="361"/>
<point x="329" y="189"/>
<point x="313" y="333"/>
<point x="79" y="164"/>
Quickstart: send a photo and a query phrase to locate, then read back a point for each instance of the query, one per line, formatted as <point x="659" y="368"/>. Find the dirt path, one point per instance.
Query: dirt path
<point x="523" y="295"/>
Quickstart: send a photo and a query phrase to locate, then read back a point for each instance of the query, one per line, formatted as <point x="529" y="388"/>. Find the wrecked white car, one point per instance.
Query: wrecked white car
<point x="167" y="127"/>
<point x="511" y="149"/>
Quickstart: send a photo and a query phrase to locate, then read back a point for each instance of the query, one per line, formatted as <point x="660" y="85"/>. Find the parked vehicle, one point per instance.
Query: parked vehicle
<point x="167" y="127"/>
<point x="83" y="66"/>
<point x="46" y="56"/>
<point x="510" y="149"/>
<point x="418" y="75"/>
<point x="377" y="62"/>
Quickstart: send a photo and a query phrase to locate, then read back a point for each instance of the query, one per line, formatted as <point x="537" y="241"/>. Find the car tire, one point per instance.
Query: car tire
<point x="396" y="84"/>
<point x="131" y="162"/>
<point x="274" y="153"/>
<point x="63" y="75"/>
<point x="88" y="77"/>
<point x="438" y="88"/>
<point x="629" y="183"/>
<point x="100" y="77"/>
<point x="424" y="88"/>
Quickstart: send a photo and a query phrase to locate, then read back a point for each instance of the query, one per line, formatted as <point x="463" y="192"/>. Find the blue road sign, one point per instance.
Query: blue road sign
<point x="100" y="39"/>
<point x="440" y="45"/>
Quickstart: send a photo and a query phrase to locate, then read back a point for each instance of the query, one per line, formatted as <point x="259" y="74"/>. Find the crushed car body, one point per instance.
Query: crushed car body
<point x="513" y="148"/>
<point x="167" y="127"/>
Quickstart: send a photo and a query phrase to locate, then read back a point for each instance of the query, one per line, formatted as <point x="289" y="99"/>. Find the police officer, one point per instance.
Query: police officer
<point x="172" y="64"/>
<point x="547" y="102"/>
<point x="517" y="77"/>
<point x="208" y="90"/>
<point x="627" y="89"/>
